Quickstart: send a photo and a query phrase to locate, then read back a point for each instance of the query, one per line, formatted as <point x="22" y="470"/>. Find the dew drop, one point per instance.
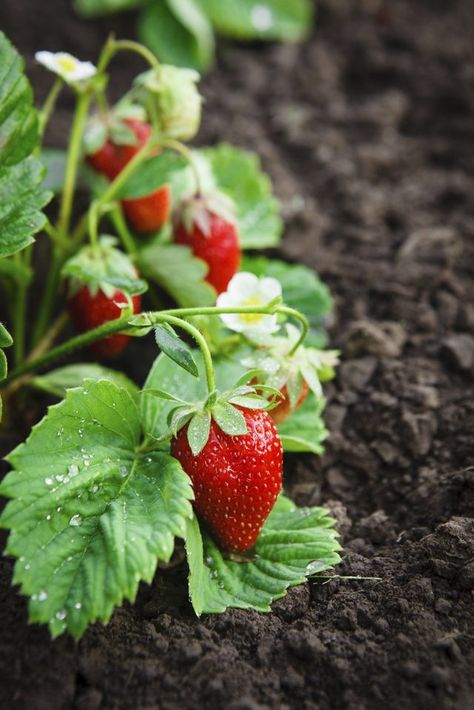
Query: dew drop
<point x="61" y="615"/>
<point x="48" y="517"/>
<point x="49" y="481"/>
<point x="77" y="605"/>
<point x="73" y="469"/>
<point x="42" y="596"/>
<point x="123" y="471"/>
<point x="76" y="520"/>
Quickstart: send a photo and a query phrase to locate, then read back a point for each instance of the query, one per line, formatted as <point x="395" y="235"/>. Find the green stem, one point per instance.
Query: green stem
<point x="131" y="46"/>
<point x="187" y="153"/>
<point x="49" y="296"/>
<point x="287" y="311"/>
<point x="19" y="316"/>
<point x="200" y="340"/>
<point x="122" y="324"/>
<point x="78" y="341"/>
<point x="94" y="226"/>
<point x="109" y="195"/>
<point x="49" y="104"/>
<point x="123" y="231"/>
<point x="80" y="117"/>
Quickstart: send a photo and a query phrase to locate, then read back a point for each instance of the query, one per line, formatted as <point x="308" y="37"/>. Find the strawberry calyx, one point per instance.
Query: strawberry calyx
<point x="222" y="407"/>
<point x="103" y="267"/>
<point x="114" y="126"/>
<point x="197" y="211"/>
<point x="294" y="372"/>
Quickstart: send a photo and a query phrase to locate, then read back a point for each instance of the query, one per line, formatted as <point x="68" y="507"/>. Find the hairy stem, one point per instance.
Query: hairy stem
<point x="150" y="319"/>
<point x="186" y="152"/>
<point x="19" y="316"/>
<point x="49" y="104"/>
<point x="80" y="116"/>
<point x="49" y="296"/>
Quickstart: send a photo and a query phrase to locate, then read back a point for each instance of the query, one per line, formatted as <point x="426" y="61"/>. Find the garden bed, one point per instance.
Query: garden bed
<point x="367" y="132"/>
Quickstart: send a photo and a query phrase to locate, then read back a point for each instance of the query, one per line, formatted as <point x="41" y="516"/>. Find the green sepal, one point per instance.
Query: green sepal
<point x="105" y="268"/>
<point x="229" y="419"/>
<point x="198" y="431"/>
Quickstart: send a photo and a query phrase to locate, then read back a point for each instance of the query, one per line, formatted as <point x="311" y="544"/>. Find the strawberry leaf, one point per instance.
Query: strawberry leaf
<point x="302" y="290"/>
<point x="178" y="32"/>
<point x="90" y="516"/>
<point x="104" y="267"/>
<point x="270" y="20"/>
<point x="178" y="272"/>
<point x="175" y="348"/>
<point x="5" y="342"/>
<point x="54" y="160"/>
<point x="57" y="382"/>
<point x="21" y="195"/>
<point x="294" y="544"/>
<point x="304" y="430"/>
<point x="152" y="174"/>
<point x="239" y="175"/>
<point x="94" y="8"/>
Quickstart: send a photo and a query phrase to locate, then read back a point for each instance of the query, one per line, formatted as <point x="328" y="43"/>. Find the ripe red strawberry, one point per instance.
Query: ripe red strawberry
<point x="283" y="409"/>
<point x="217" y="243"/>
<point x="145" y="214"/>
<point x="90" y="311"/>
<point x="111" y="158"/>
<point x="236" y="479"/>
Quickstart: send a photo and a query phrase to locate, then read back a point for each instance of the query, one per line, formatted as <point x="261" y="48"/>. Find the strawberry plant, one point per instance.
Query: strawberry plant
<point x="115" y="476"/>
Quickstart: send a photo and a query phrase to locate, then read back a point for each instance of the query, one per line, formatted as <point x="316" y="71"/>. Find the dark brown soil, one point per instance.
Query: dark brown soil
<point x="371" y="123"/>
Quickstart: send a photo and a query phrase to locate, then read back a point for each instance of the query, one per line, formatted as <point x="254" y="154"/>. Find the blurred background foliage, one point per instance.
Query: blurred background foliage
<point x="183" y="32"/>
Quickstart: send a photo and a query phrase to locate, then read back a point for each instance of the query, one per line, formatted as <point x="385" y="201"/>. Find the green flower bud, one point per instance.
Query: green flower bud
<point x="177" y="100"/>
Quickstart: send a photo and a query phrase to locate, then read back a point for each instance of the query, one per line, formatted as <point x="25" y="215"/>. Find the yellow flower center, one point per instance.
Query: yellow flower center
<point x="252" y="318"/>
<point x="68" y="64"/>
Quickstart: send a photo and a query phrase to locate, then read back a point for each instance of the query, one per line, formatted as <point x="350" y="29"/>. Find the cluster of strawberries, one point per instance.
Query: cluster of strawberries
<point x="211" y="237"/>
<point x="236" y="478"/>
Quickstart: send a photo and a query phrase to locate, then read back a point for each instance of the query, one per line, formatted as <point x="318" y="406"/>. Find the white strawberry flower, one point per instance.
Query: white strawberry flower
<point x="246" y="289"/>
<point x="72" y="70"/>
